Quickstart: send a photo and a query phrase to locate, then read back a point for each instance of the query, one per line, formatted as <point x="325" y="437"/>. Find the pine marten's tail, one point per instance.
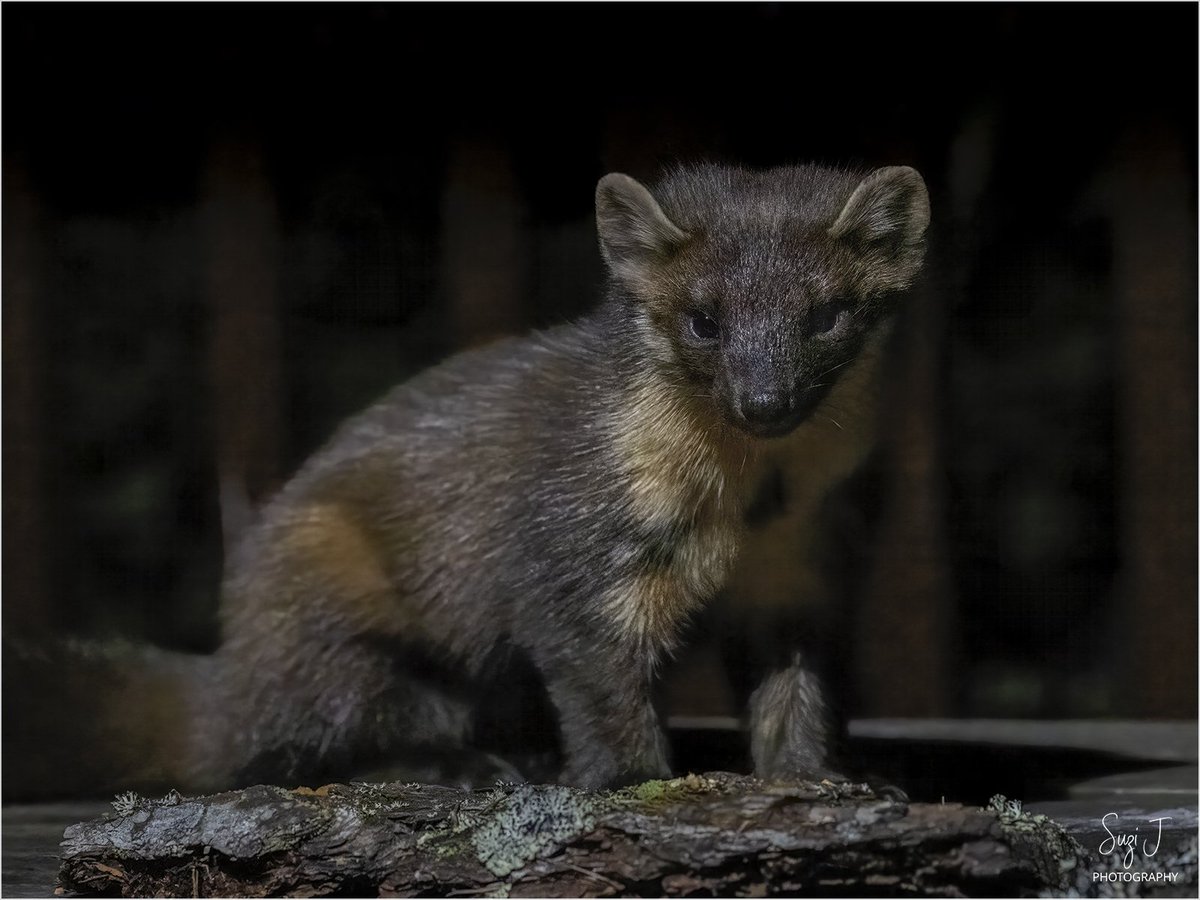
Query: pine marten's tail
<point x="93" y="719"/>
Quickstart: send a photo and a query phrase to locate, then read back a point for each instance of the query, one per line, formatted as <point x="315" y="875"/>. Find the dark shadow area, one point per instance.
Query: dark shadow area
<point x="931" y="771"/>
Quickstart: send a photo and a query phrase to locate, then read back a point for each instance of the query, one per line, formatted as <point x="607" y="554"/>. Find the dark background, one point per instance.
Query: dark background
<point x="228" y="226"/>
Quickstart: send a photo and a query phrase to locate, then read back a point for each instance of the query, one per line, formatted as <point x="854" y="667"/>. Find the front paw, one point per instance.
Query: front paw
<point x="789" y="729"/>
<point x="781" y="768"/>
<point x="606" y="775"/>
<point x="462" y="768"/>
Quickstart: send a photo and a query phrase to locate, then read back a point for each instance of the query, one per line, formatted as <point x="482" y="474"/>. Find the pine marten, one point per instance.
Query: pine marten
<point x="570" y="497"/>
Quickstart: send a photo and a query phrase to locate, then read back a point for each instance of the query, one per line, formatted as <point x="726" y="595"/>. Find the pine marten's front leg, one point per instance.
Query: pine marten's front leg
<point x="780" y="678"/>
<point x="791" y="725"/>
<point x="601" y="690"/>
<point x="794" y="732"/>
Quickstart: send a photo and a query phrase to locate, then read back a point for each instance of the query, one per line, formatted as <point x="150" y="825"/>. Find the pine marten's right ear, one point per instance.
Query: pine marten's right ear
<point x="635" y="234"/>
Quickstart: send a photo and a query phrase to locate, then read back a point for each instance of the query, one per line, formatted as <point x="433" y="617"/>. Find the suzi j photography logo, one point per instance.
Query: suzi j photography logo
<point x="1125" y="844"/>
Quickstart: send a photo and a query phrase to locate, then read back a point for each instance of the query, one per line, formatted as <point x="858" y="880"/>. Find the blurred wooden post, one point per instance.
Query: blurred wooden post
<point x="244" y="342"/>
<point x="484" y="244"/>
<point x="24" y="580"/>
<point x="904" y="624"/>
<point x="1153" y="214"/>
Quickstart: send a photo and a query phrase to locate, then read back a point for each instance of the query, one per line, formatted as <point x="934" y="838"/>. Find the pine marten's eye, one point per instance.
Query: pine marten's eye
<point x="703" y="326"/>
<point x="830" y="318"/>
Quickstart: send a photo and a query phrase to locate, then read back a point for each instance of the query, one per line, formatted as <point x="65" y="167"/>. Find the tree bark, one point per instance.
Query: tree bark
<point x="716" y="834"/>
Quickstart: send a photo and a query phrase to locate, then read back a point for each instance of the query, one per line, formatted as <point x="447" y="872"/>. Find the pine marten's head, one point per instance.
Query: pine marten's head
<point x="758" y="287"/>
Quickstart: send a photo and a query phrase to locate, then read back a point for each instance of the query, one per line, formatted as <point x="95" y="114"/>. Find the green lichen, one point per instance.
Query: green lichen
<point x="650" y="791"/>
<point x="532" y="822"/>
<point x="171" y="798"/>
<point x="1054" y="852"/>
<point x="660" y="791"/>
<point x="510" y="826"/>
<point x="371" y="800"/>
<point x="1012" y="815"/>
<point x="127" y="802"/>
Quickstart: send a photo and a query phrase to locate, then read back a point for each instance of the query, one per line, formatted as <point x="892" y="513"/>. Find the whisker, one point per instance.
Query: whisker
<point x="835" y="368"/>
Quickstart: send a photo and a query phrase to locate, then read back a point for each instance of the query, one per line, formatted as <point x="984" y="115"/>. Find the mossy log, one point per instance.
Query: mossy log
<point x="704" y="835"/>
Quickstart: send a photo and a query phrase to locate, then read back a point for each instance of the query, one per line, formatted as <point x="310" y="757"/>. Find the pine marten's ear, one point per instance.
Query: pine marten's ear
<point x="635" y="234"/>
<point x="886" y="218"/>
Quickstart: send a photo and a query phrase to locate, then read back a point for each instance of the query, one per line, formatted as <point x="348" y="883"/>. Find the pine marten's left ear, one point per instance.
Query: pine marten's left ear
<point x="635" y="234"/>
<point x="886" y="217"/>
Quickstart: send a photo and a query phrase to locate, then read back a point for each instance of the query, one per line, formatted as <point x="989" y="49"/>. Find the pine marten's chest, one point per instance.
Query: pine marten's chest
<point x="680" y="486"/>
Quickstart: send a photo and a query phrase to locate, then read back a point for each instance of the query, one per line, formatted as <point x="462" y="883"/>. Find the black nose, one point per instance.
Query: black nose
<point x="764" y="407"/>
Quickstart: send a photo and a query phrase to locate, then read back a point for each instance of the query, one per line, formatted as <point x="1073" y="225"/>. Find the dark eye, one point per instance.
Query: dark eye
<point x="829" y="317"/>
<point x="703" y="326"/>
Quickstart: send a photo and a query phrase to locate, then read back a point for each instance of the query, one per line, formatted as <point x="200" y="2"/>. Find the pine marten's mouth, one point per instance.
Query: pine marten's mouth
<point x="775" y="429"/>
